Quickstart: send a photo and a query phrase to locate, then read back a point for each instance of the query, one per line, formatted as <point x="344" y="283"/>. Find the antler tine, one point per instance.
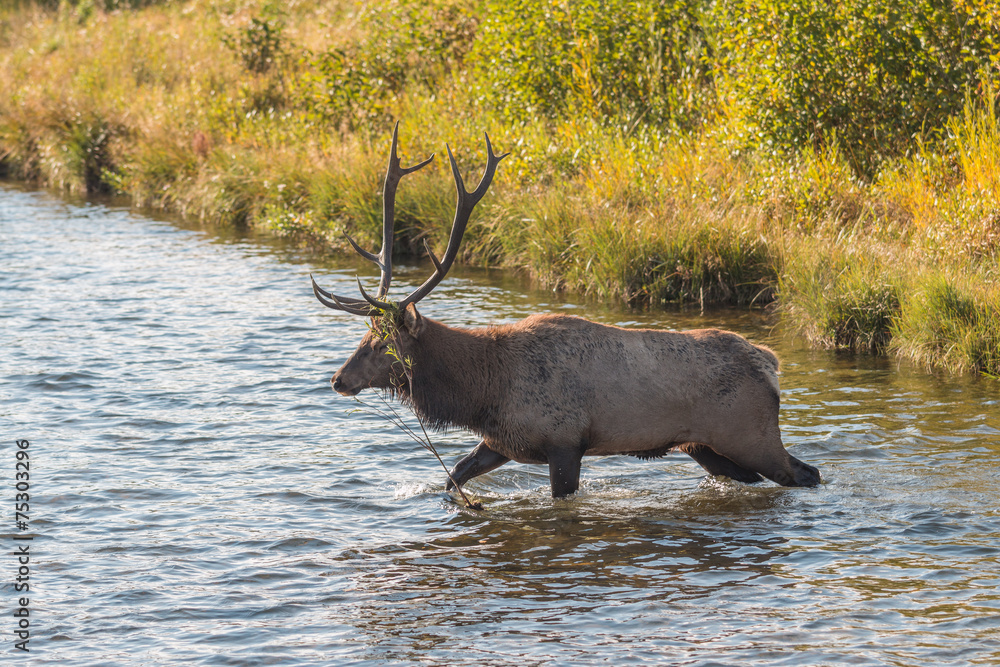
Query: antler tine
<point x="375" y="303"/>
<point x="370" y="306"/>
<point x="463" y="210"/>
<point x="352" y="306"/>
<point x="393" y="174"/>
<point x="364" y="253"/>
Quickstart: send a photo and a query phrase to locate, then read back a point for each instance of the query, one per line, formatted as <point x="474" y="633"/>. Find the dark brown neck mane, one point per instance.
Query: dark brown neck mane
<point x="452" y="378"/>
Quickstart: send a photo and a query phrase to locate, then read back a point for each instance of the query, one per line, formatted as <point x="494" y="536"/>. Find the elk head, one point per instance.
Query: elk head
<point x="382" y="358"/>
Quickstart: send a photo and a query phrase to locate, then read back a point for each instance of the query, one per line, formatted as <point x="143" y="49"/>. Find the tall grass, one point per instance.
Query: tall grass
<point x="951" y="322"/>
<point x="841" y="296"/>
<point x="668" y="187"/>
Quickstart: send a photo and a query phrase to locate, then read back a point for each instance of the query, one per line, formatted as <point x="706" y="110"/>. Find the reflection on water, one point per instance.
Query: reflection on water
<point x="201" y="495"/>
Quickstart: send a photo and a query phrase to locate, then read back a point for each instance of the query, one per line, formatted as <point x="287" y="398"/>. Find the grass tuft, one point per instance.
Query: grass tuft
<point x="840" y="298"/>
<point x="951" y="323"/>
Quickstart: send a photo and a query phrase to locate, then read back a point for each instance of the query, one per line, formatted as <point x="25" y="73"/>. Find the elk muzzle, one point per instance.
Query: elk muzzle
<point x="341" y="387"/>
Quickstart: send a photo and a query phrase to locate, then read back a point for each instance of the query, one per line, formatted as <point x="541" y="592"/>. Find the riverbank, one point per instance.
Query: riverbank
<point x="721" y="172"/>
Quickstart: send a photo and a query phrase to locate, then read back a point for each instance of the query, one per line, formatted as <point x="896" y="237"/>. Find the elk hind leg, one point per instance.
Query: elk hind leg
<point x="479" y="461"/>
<point x="564" y="470"/>
<point x="793" y="473"/>
<point x="803" y="474"/>
<point x="770" y="458"/>
<point x="716" y="464"/>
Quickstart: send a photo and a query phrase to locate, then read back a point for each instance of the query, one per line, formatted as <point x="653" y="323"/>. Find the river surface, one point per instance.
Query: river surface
<point x="199" y="495"/>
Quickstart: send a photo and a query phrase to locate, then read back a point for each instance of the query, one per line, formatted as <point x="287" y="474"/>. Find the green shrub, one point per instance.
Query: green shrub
<point x="875" y="73"/>
<point x="629" y="60"/>
<point x="402" y="43"/>
<point x="258" y="44"/>
<point x="87" y="143"/>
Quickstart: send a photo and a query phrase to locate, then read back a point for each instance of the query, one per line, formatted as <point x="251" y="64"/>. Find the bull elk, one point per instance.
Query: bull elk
<point x="552" y="389"/>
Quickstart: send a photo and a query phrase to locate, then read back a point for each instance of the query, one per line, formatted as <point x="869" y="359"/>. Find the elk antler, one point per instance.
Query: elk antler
<point x="467" y="201"/>
<point x="463" y="209"/>
<point x="394" y="173"/>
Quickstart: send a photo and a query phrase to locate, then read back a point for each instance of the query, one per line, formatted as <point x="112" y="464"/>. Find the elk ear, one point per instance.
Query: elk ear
<point x="413" y="322"/>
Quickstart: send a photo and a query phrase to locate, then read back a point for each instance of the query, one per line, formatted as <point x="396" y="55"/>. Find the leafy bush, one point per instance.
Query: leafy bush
<point x="631" y="60"/>
<point x="876" y="73"/>
<point x="257" y="44"/>
<point x="403" y="43"/>
<point x="87" y="145"/>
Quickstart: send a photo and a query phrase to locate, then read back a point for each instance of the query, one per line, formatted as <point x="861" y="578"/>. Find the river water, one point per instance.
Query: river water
<point x="199" y="494"/>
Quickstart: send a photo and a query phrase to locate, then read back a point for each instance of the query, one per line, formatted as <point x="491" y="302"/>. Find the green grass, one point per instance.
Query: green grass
<point x="953" y="323"/>
<point x="841" y="297"/>
<point x="666" y="188"/>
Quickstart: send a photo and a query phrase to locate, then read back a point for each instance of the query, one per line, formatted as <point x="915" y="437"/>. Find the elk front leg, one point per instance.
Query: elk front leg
<point x="478" y="462"/>
<point x="564" y="470"/>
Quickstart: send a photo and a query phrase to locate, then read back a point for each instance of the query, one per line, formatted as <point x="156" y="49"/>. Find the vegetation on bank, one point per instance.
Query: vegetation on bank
<point x="842" y="157"/>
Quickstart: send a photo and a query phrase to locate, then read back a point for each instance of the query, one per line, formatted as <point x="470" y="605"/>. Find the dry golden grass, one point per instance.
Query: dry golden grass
<point x="157" y="103"/>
